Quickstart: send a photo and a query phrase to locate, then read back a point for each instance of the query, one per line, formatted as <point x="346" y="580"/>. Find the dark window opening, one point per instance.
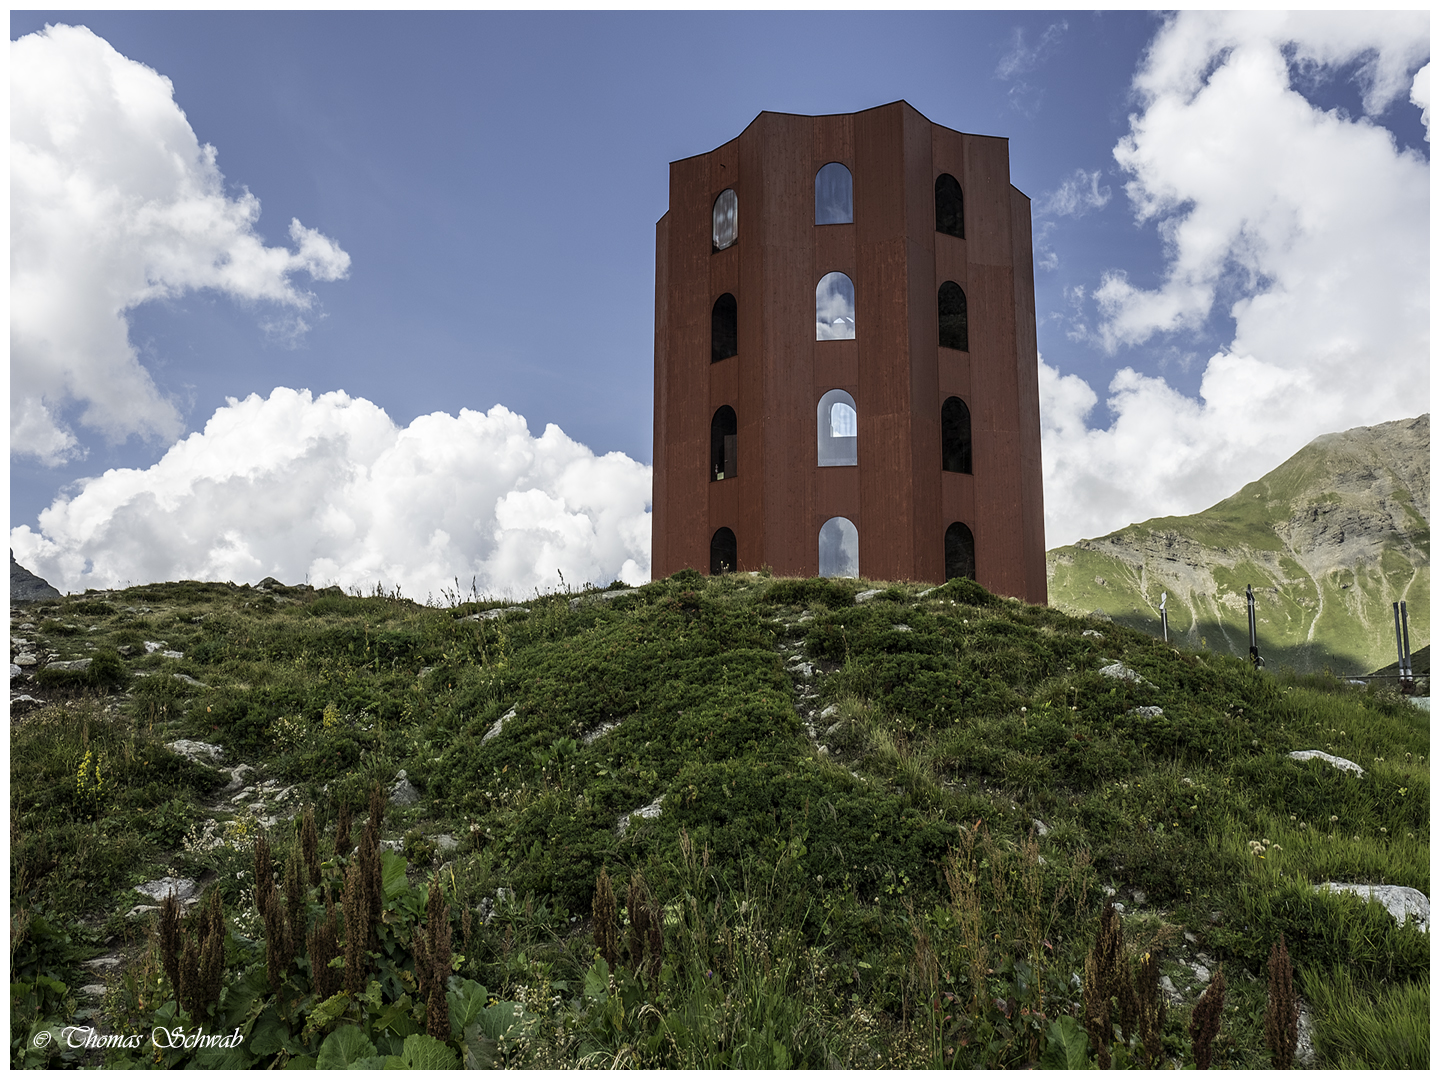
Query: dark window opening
<point x="955" y="435"/>
<point x="834" y="195"/>
<point x="959" y="552"/>
<point x="722" y="444"/>
<point x="724" y="226"/>
<point x="722" y="552"/>
<point x="724" y="329"/>
<point x="954" y="317"/>
<point x="949" y="206"/>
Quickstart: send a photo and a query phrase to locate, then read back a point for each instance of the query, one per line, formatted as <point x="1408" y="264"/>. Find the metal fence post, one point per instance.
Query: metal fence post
<point x="1164" y="620"/>
<point x="1255" y="657"/>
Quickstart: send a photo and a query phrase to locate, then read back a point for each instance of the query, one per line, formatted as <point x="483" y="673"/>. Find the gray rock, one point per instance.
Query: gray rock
<point x="27" y="659"/>
<point x="901" y="627"/>
<point x="141" y="909"/>
<point x="15" y="671"/>
<point x="68" y="665"/>
<point x="102" y="963"/>
<point x="833" y="728"/>
<point x="187" y="680"/>
<point x="495" y="613"/>
<point x="1168" y="985"/>
<point x="402" y="792"/>
<point x="1147" y="710"/>
<point x="926" y="592"/>
<point x="1401" y="902"/>
<point x="1338" y="762"/>
<point x="1120" y="671"/>
<point x="1040" y="827"/>
<point x="609" y="725"/>
<point x="23" y="703"/>
<point x="1091" y="633"/>
<point x="1202" y="973"/>
<point x="172" y="654"/>
<point x="651" y="810"/>
<point x="497" y="727"/>
<point x="868" y="594"/>
<point x="154" y="646"/>
<point x="195" y="750"/>
<point x="1139" y="895"/>
<point x="182" y="888"/>
<point x="445" y="843"/>
<point x="600" y="598"/>
<point x="25" y="586"/>
<point x="829" y="711"/>
<point x="1305" y="1038"/>
<point x="96" y="990"/>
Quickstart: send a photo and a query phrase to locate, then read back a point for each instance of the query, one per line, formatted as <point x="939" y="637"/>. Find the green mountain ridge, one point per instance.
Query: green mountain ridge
<point x="1328" y="539"/>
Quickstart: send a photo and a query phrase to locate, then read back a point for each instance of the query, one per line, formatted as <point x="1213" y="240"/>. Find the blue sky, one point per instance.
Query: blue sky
<point x="494" y="180"/>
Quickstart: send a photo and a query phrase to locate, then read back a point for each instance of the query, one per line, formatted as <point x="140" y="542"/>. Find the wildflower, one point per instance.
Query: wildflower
<point x="1334" y="818"/>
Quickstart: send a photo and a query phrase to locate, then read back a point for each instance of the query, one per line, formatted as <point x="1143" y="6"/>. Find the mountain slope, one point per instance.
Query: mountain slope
<point x="1328" y="539"/>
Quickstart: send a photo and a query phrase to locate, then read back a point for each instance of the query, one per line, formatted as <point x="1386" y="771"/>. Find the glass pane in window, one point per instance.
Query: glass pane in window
<point x="839" y="548"/>
<point x="836" y="429"/>
<point x="834" y="203"/>
<point x="834" y="308"/>
<point x="724" y="226"/>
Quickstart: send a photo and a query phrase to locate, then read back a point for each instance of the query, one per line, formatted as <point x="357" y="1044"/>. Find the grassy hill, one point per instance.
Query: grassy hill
<point x="1329" y="540"/>
<point x="743" y="821"/>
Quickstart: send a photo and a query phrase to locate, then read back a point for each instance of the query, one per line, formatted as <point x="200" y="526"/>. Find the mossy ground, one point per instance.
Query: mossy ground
<point x="868" y="810"/>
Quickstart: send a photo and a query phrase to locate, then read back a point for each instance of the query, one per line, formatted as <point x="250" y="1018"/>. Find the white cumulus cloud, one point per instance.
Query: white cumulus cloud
<point x="330" y="490"/>
<point x="114" y="201"/>
<point x="1080" y="193"/>
<point x="1314" y="228"/>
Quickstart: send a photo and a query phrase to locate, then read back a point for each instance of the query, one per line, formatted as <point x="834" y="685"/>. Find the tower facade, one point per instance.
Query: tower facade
<point x="845" y="359"/>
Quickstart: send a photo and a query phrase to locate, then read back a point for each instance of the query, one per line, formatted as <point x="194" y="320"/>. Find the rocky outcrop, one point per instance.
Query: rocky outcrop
<point x="25" y="586"/>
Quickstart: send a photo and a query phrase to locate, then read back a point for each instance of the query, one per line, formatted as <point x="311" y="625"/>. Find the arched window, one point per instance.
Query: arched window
<point x="722" y="551"/>
<point x="949" y="206"/>
<point x="724" y="329"/>
<point x="955" y="435"/>
<point x="959" y="552"/>
<point x="722" y="443"/>
<point x="834" y="308"/>
<point x="724" y="229"/>
<point x="834" y="200"/>
<point x="839" y="548"/>
<point x="954" y="317"/>
<point x="836" y="429"/>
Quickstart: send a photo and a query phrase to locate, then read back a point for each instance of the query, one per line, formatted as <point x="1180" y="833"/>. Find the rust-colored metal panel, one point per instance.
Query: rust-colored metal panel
<point x="898" y="496"/>
<point x="1027" y="366"/>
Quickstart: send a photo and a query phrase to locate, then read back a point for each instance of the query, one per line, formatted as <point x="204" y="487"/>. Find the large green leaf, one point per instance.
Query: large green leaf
<point x="343" y="1047"/>
<point x="467" y="1001"/>
<point x="426" y="1052"/>
<point x="1066" y="1045"/>
<point x="392" y="874"/>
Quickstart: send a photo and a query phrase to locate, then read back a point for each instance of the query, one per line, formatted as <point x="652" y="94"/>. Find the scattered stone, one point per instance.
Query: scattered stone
<point x="96" y="990"/>
<point x="1120" y="671"/>
<point x="1139" y="895"/>
<point x="187" y="680"/>
<point x="1108" y="890"/>
<point x="237" y="778"/>
<point x="1191" y="938"/>
<point x="182" y="888"/>
<point x="1202" y="973"/>
<point x="194" y="750"/>
<point x="1040" y="827"/>
<point x="1305" y="1038"/>
<point x="424" y="671"/>
<point x="1338" y="762"/>
<point x="24" y="703"/>
<point x="901" y="627"/>
<point x="1168" y="985"/>
<point x="1400" y="901"/>
<point x="829" y="711"/>
<point x="154" y="646"/>
<point x="1147" y="710"/>
<point x="498" y="726"/>
<point x="600" y="598"/>
<point x="141" y="909"/>
<point x="926" y="592"/>
<point x="68" y="665"/>
<point x="402" y="792"/>
<point x="609" y="725"/>
<point x="833" y="728"/>
<point x="805" y="616"/>
<point x="1091" y="633"/>
<point x="495" y="613"/>
<point x="397" y="846"/>
<point x="652" y="810"/>
<point x="171" y="654"/>
<point x="1119" y="907"/>
<point x="802" y="669"/>
<point x="868" y="594"/>
<point x="26" y="659"/>
<point x="445" y="843"/>
<point x="15" y="671"/>
<point x="102" y="963"/>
